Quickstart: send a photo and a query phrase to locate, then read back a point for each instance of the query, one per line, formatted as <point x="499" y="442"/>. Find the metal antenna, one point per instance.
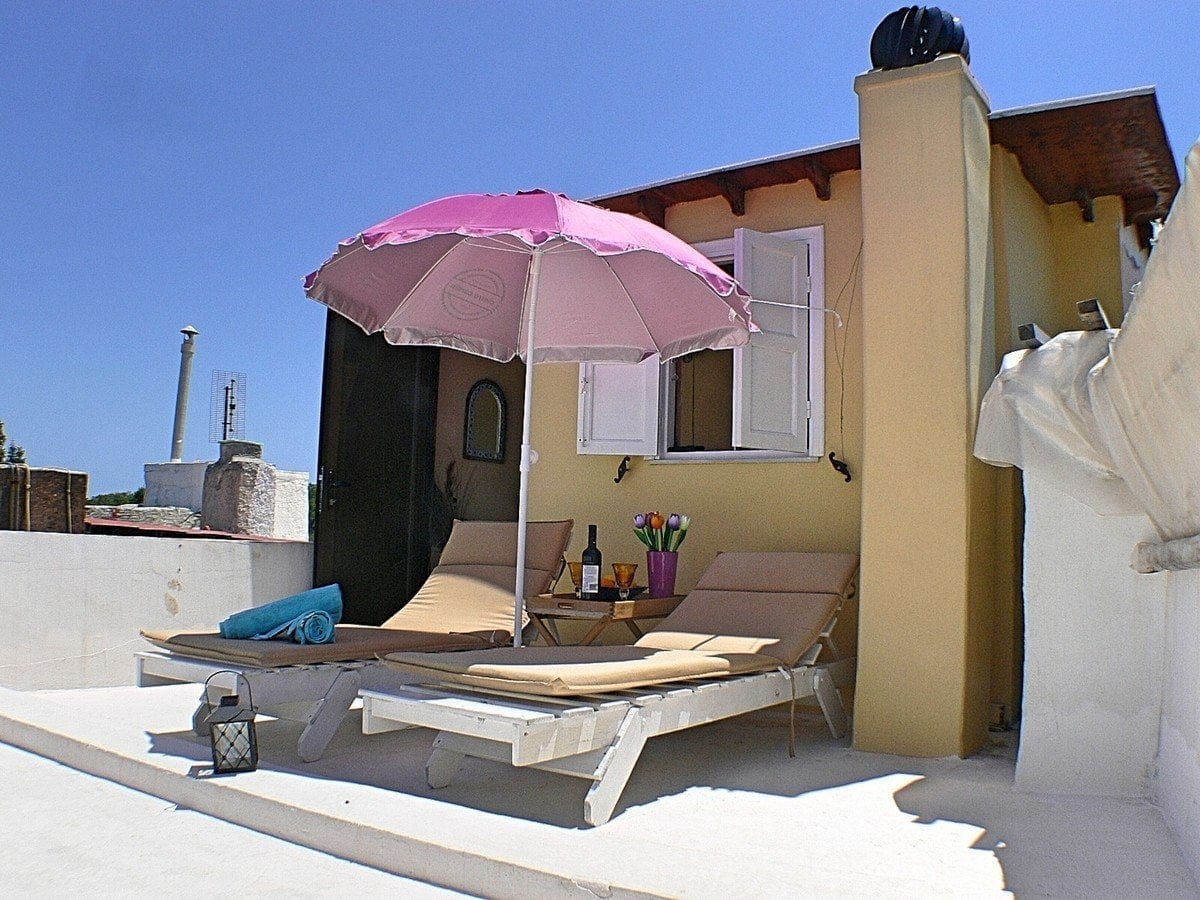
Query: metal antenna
<point x="227" y="407"/>
<point x="230" y="408"/>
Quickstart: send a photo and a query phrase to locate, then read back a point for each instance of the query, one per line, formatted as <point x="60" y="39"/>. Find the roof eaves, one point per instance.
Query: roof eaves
<point x="1146" y="90"/>
<point x="724" y="170"/>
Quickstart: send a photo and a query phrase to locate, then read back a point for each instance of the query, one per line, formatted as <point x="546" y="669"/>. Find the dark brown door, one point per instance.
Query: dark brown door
<point x="375" y="470"/>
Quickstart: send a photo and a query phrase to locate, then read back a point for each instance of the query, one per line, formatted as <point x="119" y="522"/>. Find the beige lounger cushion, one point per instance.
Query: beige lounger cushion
<point x="782" y="626"/>
<point x="471" y="588"/>
<point x="750" y="612"/>
<point x="350" y="642"/>
<point x="567" y="671"/>
<point x="780" y="571"/>
<point x="465" y="604"/>
<point x="770" y="603"/>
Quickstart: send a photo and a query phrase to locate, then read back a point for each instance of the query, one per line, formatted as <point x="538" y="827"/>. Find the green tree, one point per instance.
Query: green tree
<point x="14" y="455"/>
<point x="118" y="498"/>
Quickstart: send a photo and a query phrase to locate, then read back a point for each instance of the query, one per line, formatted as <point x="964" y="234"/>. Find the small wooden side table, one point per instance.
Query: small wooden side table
<point x="546" y="608"/>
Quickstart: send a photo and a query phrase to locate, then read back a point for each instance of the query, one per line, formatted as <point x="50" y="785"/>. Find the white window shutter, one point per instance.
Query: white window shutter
<point x="771" y="373"/>
<point x="618" y="408"/>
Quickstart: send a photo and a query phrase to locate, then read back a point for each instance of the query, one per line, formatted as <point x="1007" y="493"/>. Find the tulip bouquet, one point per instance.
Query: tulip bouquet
<point x="659" y="532"/>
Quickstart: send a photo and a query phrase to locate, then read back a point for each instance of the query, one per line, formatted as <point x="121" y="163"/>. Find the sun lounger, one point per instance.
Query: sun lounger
<point x="756" y="631"/>
<point x="465" y="604"/>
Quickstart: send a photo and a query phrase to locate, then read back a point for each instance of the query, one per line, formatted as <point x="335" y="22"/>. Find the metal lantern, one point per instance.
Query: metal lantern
<point x="231" y="732"/>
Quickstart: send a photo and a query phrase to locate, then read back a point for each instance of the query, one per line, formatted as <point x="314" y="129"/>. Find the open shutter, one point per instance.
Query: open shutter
<point x="771" y="373"/>
<point x="618" y="408"/>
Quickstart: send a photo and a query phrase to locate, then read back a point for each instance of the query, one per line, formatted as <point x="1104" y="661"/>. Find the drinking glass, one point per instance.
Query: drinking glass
<point x="623" y="576"/>
<point x="577" y="577"/>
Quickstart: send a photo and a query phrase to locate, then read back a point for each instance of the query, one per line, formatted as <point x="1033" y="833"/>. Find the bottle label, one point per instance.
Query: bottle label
<point x="591" y="579"/>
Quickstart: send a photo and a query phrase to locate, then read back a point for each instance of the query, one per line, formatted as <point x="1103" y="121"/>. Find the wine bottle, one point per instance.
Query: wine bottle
<point x="591" y="567"/>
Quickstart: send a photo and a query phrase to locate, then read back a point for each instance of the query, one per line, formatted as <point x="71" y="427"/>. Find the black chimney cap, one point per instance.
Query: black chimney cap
<point x="917" y="34"/>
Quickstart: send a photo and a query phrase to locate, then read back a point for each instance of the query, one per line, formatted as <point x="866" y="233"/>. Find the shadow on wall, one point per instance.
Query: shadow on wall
<point x="474" y="488"/>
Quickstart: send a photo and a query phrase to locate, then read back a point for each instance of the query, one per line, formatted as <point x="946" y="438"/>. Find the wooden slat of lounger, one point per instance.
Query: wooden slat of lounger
<point x="563" y="708"/>
<point x="492" y="705"/>
<point x="534" y="734"/>
<point x="568" y="735"/>
<point x="451" y="711"/>
<point x="560" y="707"/>
<point x="153" y="668"/>
<point x="585" y="704"/>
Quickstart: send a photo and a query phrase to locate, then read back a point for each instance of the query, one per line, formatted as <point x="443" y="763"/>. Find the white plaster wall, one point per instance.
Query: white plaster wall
<point x="291" y="506"/>
<point x="1094" y="652"/>
<point x="72" y="604"/>
<point x="1177" y="787"/>
<point x="175" y="484"/>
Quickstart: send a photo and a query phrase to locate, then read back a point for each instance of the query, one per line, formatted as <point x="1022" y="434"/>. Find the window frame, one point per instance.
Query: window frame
<point x="721" y="251"/>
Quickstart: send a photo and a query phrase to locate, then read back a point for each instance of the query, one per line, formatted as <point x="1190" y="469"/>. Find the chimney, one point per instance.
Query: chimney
<point x="188" y="350"/>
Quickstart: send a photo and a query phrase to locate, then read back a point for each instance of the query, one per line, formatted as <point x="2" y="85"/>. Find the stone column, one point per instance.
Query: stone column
<point x="927" y="505"/>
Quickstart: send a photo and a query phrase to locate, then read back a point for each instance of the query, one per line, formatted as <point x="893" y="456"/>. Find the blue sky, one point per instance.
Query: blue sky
<point x="166" y="164"/>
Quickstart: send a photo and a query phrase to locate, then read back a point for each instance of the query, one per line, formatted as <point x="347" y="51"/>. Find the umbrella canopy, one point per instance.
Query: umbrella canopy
<point x="533" y="274"/>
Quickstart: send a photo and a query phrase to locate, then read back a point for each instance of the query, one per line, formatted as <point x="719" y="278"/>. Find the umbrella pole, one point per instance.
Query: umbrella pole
<point x="531" y="293"/>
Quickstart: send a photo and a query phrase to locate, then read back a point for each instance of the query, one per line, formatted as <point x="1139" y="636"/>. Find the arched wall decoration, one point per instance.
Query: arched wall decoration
<point x="485" y="422"/>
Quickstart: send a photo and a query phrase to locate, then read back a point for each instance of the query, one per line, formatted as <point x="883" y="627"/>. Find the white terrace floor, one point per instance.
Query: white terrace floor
<point x="718" y="811"/>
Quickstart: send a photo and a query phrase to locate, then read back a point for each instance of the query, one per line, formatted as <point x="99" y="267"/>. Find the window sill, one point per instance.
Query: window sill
<point x="732" y="456"/>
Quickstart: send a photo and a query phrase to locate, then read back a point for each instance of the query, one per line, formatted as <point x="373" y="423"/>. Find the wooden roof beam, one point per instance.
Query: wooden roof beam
<point x="1141" y="209"/>
<point x="732" y="192"/>
<point x="1084" y="199"/>
<point x="820" y="178"/>
<point x="653" y="207"/>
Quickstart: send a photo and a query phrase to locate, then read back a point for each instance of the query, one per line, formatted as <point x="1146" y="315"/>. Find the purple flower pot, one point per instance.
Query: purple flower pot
<point x="661" y="565"/>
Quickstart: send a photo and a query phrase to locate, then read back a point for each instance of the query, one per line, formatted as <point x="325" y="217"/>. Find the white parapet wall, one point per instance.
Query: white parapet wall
<point x="1094" y="651"/>
<point x="72" y="604"/>
<point x="291" y="505"/>
<point x="1177" y="787"/>
<point x="175" y="484"/>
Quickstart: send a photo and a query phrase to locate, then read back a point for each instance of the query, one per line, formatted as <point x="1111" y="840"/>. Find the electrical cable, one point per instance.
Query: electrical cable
<point x="840" y="357"/>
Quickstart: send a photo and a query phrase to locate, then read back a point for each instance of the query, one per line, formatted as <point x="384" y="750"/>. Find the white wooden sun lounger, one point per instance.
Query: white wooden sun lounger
<point x="465" y="604"/>
<point x="597" y="737"/>
<point x="317" y="695"/>
<point x="496" y="705"/>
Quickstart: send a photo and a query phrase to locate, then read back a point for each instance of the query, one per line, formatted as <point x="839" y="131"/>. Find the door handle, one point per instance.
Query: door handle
<point x="328" y="484"/>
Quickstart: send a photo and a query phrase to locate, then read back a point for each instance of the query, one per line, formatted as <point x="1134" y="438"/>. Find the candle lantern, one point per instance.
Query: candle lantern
<point x="231" y="732"/>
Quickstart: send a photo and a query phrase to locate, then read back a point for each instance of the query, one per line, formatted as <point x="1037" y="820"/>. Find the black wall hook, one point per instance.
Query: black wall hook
<point x="839" y="466"/>
<point x="622" y="470"/>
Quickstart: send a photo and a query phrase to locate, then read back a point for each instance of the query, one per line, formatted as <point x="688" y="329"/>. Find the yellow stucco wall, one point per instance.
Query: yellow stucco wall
<point x="486" y="490"/>
<point x="1087" y="257"/>
<point x="1028" y="262"/>
<point x="734" y="506"/>
<point x="925" y="626"/>
<point x="1045" y="259"/>
<point x="1048" y="257"/>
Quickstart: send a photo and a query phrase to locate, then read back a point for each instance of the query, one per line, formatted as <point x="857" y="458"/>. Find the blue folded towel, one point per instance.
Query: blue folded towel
<point x="314" y="627"/>
<point x="269" y="616"/>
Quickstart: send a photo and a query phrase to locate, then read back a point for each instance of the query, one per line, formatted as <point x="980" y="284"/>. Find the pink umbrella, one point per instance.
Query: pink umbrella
<point x="535" y="274"/>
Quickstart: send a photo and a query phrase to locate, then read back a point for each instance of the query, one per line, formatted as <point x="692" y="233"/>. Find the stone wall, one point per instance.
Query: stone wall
<point x="178" y="516"/>
<point x="42" y="499"/>
<point x="245" y="494"/>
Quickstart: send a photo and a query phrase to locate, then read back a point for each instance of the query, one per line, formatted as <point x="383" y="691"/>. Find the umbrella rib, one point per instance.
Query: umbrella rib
<point x="337" y="258"/>
<point x="420" y="281"/>
<point x="488" y="242"/>
<point x="629" y="297"/>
